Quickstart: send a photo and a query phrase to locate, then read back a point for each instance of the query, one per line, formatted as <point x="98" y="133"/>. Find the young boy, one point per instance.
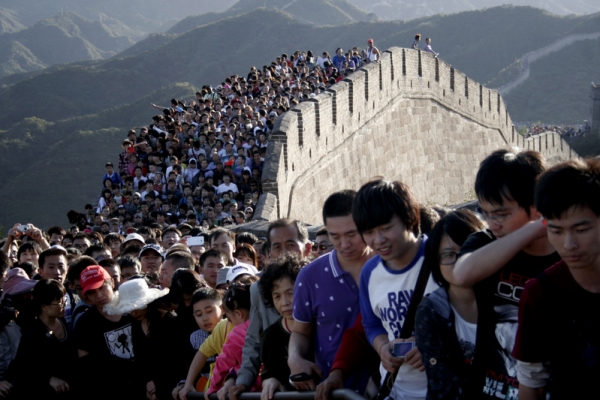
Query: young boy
<point x="209" y="339"/>
<point x="211" y="262"/>
<point x="559" y="327"/>
<point x="386" y="215"/>
<point x="104" y="341"/>
<point x="498" y="262"/>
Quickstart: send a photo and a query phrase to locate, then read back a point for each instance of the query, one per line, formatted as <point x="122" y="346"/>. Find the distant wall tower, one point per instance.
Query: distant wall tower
<point x="596" y="108"/>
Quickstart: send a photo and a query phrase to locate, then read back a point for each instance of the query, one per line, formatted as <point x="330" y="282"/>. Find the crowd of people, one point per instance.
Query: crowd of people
<point x="199" y="163"/>
<point x="149" y="295"/>
<point x="566" y="131"/>
<point x="392" y="299"/>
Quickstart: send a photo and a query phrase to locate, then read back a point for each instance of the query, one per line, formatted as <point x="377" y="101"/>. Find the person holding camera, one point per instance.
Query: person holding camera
<point x="25" y="233"/>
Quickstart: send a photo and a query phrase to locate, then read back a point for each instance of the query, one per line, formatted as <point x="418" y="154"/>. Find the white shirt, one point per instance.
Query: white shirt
<point x="466" y="333"/>
<point x="225" y="188"/>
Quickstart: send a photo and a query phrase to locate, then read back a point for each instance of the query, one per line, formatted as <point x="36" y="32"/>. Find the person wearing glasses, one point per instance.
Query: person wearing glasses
<point x="499" y="261"/>
<point x="322" y="244"/>
<point x="446" y="320"/>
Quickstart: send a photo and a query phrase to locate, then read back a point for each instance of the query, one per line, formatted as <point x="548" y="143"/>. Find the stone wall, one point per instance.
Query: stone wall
<point x="410" y="117"/>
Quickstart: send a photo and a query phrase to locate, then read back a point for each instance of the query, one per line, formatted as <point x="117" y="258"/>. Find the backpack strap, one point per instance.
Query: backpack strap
<point x="409" y="322"/>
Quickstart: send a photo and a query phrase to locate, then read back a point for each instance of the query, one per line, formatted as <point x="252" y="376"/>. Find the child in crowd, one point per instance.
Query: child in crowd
<point x="236" y="305"/>
<point x="207" y="306"/>
<point x="211" y="262"/>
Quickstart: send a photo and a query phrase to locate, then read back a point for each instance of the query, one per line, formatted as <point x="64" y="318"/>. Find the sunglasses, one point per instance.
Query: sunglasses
<point x="321" y="246"/>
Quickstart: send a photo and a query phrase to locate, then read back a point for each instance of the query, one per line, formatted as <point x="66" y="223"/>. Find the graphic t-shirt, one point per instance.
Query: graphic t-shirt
<point x="498" y="303"/>
<point x="385" y="296"/>
<point x="466" y="333"/>
<point x="100" y="336"/>
<point x="110" y="348"/>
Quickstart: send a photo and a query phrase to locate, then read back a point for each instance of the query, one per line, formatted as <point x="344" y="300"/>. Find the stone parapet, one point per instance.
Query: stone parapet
<point x="410" y="116"/>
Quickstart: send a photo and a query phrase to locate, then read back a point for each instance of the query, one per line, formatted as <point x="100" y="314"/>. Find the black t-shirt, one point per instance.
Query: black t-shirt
<point x="498" y="309"/>
<point x="274" y="344"/>
<point x="110" y="348"/>
<point x="100" y="336"/>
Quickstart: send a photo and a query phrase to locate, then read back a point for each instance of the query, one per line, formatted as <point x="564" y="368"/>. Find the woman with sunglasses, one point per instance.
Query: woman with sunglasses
<point x="446" y="320"/>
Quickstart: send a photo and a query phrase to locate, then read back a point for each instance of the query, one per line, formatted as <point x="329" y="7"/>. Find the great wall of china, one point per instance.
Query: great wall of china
<point x="410" y="116"/>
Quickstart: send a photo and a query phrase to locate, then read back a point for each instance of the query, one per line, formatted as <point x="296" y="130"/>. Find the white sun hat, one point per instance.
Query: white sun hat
<point x="133" y="295"/>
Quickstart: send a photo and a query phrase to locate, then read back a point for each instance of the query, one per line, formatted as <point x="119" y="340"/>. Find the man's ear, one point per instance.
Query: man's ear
<point x="534" y="214"/>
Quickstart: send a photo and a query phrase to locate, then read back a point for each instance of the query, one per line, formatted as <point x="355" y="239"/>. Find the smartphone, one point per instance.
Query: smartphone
<point x="400" y="349"/>
<point x="195" y="241"/>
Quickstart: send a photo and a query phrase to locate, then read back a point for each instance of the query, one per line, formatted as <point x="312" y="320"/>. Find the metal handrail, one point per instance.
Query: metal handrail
<point x="339" y="394"/>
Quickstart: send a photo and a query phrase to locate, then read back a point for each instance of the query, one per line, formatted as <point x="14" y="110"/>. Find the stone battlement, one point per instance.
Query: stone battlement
<point x="410" y="116"/>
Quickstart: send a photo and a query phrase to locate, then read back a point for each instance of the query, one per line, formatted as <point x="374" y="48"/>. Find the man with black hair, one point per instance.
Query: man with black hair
<point x="53" y="265"/>
<point x="322" y="244"/>
<point x="98" y="251"/>
<point x="498" y="262"/>
<point x="323" y="288"/>
<point x="386" y="215"/>
<point x="56" y="234"/>
<point x="81" y="242"/>
<point x="558" y="339"/>
<point x="174" y="261"/>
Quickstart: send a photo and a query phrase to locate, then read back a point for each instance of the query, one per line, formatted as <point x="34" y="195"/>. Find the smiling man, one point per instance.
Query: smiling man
<point x="560" y="305"/>
<point x="326" y="295"/>
<point x="498" y="262"/>
<point x="386" y="216"/>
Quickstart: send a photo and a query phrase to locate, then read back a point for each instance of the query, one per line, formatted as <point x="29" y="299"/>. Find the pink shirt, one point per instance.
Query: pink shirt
<point x="230" y="358"/>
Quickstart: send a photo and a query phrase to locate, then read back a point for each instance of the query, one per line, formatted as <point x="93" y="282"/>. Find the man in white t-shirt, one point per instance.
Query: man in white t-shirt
<point x="227" y="185"/>
<point x="386" y="214"/>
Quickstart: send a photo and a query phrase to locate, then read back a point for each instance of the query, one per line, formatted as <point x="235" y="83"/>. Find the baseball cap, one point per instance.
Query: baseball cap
<point x="237" y="271"/>
<point x="222" y="275"/>
<point x="93" y="277"/>
<point x="134" y="236"/>
<point x="151" y="247"/>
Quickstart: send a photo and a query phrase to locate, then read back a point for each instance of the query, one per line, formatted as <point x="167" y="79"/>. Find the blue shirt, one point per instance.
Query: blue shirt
<point x="328" y="296"/>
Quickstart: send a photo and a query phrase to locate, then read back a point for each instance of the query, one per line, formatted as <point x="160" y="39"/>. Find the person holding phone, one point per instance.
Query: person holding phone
<point x="391" y="284"/>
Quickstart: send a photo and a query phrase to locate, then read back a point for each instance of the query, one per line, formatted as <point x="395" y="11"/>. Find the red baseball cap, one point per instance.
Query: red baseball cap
<point x="93" y="277"/>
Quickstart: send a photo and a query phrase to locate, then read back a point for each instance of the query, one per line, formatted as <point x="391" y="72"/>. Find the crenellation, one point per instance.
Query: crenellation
<point x="386" y="120"/>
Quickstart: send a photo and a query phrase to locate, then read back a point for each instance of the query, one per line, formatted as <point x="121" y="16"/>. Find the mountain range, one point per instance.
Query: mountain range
<point x="410" y="9"/>
<point x="318" y="12"/>
<point x="145" y="16"/>
<point x="60" y="125"/>
<point x="61" y="39"/>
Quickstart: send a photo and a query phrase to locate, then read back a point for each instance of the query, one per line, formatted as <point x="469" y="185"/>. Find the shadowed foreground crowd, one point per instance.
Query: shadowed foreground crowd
<point x="392" y="300"/>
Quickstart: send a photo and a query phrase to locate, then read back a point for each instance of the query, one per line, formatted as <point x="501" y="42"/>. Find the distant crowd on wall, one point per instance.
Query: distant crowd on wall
<point x="200" y="161"/>
<point x="393" y="299"/>
<point x="567" y="131"/>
